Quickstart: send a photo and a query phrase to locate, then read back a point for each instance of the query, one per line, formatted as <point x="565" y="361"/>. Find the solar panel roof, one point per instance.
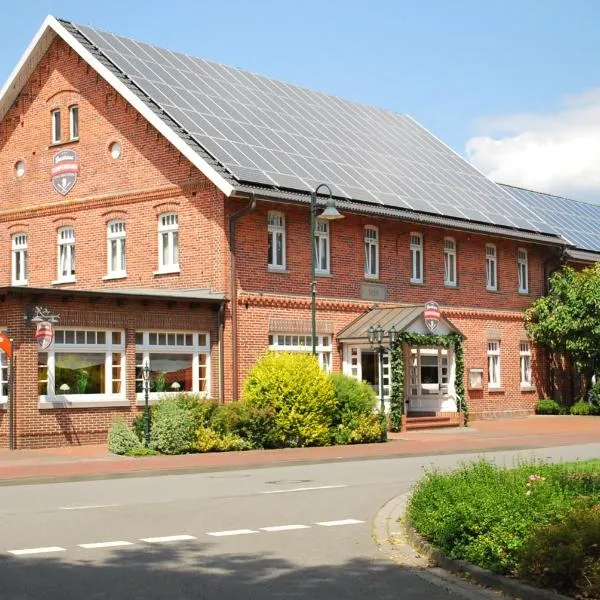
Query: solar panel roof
<point x="274" y="134"/>
<point x="578" y="222"/>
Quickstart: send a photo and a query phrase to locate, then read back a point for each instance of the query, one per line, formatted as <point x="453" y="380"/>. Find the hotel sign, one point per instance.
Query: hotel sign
<point x="65" y="169"/>
<point x="432" y="316"/>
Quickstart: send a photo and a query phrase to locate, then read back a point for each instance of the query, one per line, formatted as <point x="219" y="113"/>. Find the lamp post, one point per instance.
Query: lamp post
<point x="146" y="378"/>
<point x="329" y="214"/>
<point x="376" y="336"/>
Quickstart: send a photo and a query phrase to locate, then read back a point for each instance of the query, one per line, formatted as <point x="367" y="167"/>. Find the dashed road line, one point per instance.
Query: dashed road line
<point x="304" y="489"/>
<point x="168" y="538"/>
<point x="231" y="532"/>
<point x="342" y="522"/>
<point x="284" y="528"/>
<point x="114" y="544"/>
<point x="26" y="551"/>
<point x="89" y="506"/>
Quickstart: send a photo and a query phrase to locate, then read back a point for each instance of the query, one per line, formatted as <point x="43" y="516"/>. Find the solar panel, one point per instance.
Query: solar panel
<point x="576" y="221"/>
<point x="272" y="133"/>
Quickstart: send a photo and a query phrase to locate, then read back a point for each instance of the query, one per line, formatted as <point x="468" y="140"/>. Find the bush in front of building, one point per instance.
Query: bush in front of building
<point x="583" y="408"/>
<point x="173" y="428"/>
<point x="209" y="440"/>
<point x="300" y="393"/>
<point x="121" y="439"/>
<point x="547" y="407"/>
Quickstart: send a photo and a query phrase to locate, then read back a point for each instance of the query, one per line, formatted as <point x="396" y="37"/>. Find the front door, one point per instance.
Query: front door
<point x="430" y="379"/>
<point x="362" y="362"/>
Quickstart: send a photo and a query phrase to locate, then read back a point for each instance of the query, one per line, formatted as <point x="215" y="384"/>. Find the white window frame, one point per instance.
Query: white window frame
<point x="491" y="267"/>
<point x="416" y="257"/>
<point x="56" y="126"/>
<point x="276" y="229"/>
<point x="525" y="364"/>
<point x="116" y="239"/>
<point x="450" y="274"/>
<point x="493" y="361"/>
<point x="168" y="239"/>
<point x="65" y="255"/>
<point x="301" y="342"/>
<point x="523" y="270"/>
<point x="74" y="122"/>
<point x="322" y="247"/>
<point x="371" y="244"/>
<point x="19" y="257"/>
<point x="200" y="346"/>
<point x="54" y="396"/>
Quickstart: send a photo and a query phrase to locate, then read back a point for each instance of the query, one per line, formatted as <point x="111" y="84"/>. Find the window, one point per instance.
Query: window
<point x="371" y="252"/>
<point x="56" y="126"/>
<point x="19" y="259"/>
<point x="276" y="253"/>
<point x="179" y="362"/>
<point x="523" y="271"/>
<point x="429" y="371"/>
<point x="525" y="360"/>
<point x="66" y="254"/>
<point x="493" y="355"/>
<point x="490" y="267"/>
<point x="3" y="375"/>
<point x="83" y="365"/>
<point x="449" y="262"/>
<point x="74" y="122"/>
<point x="302" y="343"/>
<point x="416" y="258"/>
<point x="322" y="246"/>
<point x="116" y="248"/>
<point x="168" y="243"/>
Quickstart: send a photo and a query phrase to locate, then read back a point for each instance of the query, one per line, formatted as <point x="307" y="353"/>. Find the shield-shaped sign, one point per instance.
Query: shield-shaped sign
<point x="65" y="168"/>
<point x="431" y="316"/>
<point x="44" y="334"/>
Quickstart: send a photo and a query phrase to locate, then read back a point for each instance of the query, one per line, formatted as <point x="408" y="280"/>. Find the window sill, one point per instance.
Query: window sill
<point x="65" y="280"/>
<point x="45" y="404"/>
<point x="62" y="143"/>
<point x="528" y="388"/>
<point x="451" y="286"/>
<point x="417" y="282"/>
<point x="171" y="271"/>
<point x="372" y="278"/>
<point x="274" y="270"/>
<point x="154" y="397"/>
<point x="496" y="390"/>
<point x="114" y="276"/>
<point x="20" y="283"/>
<point x="323" y="274"/>
<point x="475" y="389"/>
<point x="494" y="291"/>
<point x="525" y="293"/>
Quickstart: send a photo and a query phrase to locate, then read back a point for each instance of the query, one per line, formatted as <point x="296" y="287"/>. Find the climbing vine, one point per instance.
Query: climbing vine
<point x="398" y="371"/>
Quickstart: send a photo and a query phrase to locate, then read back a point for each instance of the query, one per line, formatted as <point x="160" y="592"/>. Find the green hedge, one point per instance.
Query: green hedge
<point x="583" y="408"/>
<point x="547" y="407"/>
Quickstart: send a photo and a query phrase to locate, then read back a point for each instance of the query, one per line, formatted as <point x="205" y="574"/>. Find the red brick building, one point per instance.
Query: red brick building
<point x="163" y="220"/>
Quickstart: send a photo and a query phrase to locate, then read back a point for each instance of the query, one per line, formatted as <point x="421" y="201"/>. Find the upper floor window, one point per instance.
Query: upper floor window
<point x="525" y="363"/>
<point x="19" y="259"/>
<point x="416" y="258"/>
<point x="168" y="242"/>
<point x="56" y="126"/>
<point x="523" y="270"/>
<point x="116" y="248"/>
<point x="449" y="262"/>
<point x="276" y="253"/>
<point x="493" y="355"/>
<point x="371" y="252"/>
<point x="74" y="122"/>
<point x="491" y="267"/>
<point x="322" y="246"/>
<point x="66" y="254"/>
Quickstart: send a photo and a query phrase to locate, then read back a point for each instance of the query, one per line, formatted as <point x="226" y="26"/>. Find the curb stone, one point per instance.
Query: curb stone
<point x="492" y="582"/>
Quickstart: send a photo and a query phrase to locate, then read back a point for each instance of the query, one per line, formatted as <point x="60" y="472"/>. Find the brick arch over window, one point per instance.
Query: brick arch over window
<point x="167" y="207"/>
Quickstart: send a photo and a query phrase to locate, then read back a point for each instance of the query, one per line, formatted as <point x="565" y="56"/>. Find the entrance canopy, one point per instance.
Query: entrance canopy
<point x="403" y="318"/>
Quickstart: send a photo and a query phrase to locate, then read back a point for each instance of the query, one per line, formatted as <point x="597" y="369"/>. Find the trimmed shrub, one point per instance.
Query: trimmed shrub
<point x="256" y="425"/>
<point x="565" y="556"/>
<point x="173" y="428"/>
<point x="582" y="408"/>
<point x="300" y="393"/>
<point x="121" y="439"/>
<point x="208" y="440"/>
<point x="547" y="407"/>
<point x="353" y="398"/>
<point x="142" y="451"/>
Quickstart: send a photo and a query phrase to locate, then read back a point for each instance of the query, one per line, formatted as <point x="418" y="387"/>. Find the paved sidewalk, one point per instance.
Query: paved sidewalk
<point x="94" y="462"/>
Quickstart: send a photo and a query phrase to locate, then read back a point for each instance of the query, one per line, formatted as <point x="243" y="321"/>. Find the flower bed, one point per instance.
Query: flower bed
<point x="540" y="522"/>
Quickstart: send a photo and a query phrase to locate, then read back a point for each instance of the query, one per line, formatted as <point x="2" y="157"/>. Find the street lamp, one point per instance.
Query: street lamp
<point x="329" y="214"/>
<point x="146" y="378"/>
<point x="376" y="336"/>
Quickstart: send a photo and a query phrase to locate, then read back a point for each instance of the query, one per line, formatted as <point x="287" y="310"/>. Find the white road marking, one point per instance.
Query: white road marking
<point x="231" y="532"/>
<point x="105" y="544"/>
<point x="304" y="489"/>
<point x="168" y="538"/>
<point x="285" y="527"/>
<point x="88" y="506"/>
<point x="342" y="522"/>
<point x="26" y="551"/>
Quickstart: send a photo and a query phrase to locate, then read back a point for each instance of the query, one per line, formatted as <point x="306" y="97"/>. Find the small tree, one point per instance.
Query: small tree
<point x="567" y="319"/>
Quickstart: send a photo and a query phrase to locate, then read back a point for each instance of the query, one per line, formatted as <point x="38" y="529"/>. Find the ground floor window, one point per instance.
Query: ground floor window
<point x="83" y="365"/>
<point x="525" y="364"/>
<point x="178" y="361"/>
<point x="303" y="343"/>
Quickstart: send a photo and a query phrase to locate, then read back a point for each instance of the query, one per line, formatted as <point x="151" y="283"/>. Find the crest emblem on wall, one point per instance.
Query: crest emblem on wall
<point x="44" y="334"/>
<point x="432" y="316"/>
<point x="65" y="168"/>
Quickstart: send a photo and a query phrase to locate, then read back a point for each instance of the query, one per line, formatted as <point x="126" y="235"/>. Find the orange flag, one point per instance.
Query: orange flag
<point x="6" y="345"/>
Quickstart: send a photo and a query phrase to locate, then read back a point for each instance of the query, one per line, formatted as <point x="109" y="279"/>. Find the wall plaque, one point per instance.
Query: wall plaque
<point x="373" y="291"/>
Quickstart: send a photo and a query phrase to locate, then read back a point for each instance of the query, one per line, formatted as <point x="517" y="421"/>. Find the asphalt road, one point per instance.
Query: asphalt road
<point x="292" y="532"/>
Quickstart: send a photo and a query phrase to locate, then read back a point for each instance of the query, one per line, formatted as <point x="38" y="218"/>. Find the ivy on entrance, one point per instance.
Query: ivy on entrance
<point x="398" y="373"/>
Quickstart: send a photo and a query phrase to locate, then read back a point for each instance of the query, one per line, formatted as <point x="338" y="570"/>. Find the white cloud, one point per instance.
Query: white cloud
<point x="557" y="153"/>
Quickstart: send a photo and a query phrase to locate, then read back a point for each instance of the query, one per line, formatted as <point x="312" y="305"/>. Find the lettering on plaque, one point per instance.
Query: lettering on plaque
<point x="373" y="291"/>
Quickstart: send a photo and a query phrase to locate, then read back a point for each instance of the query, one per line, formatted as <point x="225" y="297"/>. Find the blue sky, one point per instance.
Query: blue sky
<point x="511" y="84"/>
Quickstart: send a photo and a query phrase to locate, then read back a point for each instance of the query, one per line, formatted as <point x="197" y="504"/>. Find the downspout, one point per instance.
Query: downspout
<point x="233" y="219"/>
<point x="221" y="329"/>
